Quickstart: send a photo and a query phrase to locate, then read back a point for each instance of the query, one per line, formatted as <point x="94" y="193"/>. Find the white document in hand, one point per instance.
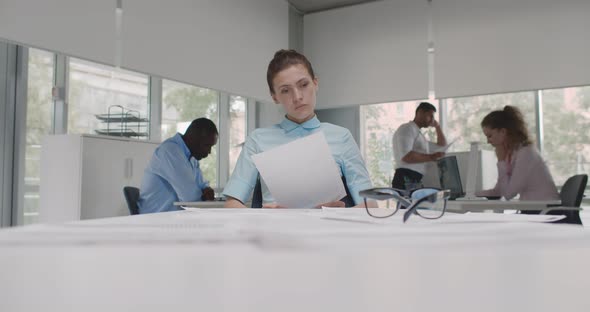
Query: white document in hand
<point x="444" y="148"/>
<point x="302" y="173"/>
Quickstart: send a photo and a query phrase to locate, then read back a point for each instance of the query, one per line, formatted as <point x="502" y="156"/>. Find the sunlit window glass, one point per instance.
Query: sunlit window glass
<point x="105" y="100"/>
<point x="380" y="122"/>
<point x="566" y="138"/>
<point x="464" y="116"/>
<point x="38" y="123"/>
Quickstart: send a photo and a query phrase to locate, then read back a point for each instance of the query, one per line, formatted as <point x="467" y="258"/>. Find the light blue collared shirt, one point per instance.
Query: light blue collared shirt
<point x="172" y="175"/>
<point x="344" y="150"/>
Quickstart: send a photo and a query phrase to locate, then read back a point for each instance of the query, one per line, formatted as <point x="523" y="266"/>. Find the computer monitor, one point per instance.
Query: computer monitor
<point x="449" y="177"/>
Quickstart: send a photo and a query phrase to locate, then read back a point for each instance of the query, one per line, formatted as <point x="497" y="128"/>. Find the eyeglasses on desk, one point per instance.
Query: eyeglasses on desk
<point x="429" y="203"/>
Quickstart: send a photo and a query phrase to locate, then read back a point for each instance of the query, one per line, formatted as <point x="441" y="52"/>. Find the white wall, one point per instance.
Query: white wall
<point x="268" y="114"/>
<point x="295" y="30"/>
<point x="369" y="53"/>
<point x="220" y="44"/>
<point x="347" y="117"/>
<point x="376" y="52"/>
<point x="484" y="46"/>
<point x="74" y="27"/>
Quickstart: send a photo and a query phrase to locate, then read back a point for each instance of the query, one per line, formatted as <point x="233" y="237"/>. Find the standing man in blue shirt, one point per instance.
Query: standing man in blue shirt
<point x="173" y="173"/>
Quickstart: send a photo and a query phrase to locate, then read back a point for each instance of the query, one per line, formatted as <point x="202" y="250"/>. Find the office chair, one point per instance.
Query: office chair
<point x="131" y="197"/>
<point x="257" y="195"/>
<point x="571" y="195"/>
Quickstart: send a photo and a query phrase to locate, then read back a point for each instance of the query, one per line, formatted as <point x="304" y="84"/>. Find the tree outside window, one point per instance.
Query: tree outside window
<point x="566" y="120"/>
<point x="464" y="116"/>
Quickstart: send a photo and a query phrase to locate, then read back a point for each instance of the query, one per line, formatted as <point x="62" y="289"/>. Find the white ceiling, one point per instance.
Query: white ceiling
<point x="310" y="6"/>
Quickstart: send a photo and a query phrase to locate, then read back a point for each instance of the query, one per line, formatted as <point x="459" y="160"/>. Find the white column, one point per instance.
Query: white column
<point x="539" y="119"/>
<point x="20" y="131"/>
<point x="155" y="104"/>
<point x="7" y="121"/>
<point x="60" y="94"/>
<point x="223" y="144"/>
<point x="250" y="116"/>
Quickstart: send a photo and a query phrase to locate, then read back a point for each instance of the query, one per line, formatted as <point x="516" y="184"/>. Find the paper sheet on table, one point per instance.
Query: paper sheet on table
<point x="444" y="148"/>
<point x="302" y="173"/>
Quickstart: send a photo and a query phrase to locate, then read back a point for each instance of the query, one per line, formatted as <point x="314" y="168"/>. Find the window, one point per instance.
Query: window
<point x="464" y="116"/>
<point x="181" y="104"/>
<point x="237" y="116"/>
<point x="566" y="139"/>
<point x="91" y="89"/>
<point x="38" y="123"/>
<point x="97" y="90"/>
<point x="380" y="122"/>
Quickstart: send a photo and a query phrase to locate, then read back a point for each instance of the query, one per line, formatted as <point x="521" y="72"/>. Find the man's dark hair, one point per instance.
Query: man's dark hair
<point x="201" y="127"/>
<point x="426" y="107"/>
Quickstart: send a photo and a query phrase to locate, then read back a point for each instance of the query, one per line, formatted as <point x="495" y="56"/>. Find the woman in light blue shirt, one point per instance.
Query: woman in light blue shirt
<point x="293" y="84"/>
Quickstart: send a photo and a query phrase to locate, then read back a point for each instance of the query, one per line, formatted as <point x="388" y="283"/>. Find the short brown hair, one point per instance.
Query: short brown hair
<point x="284" y="59"/>
<point x="511" y="119"/>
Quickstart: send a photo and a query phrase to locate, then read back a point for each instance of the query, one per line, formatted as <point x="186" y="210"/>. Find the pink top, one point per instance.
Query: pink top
<point x="526" y="174"/>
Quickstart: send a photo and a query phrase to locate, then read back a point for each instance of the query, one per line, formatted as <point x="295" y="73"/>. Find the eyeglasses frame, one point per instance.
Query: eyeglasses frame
<point x="378" y="194"/>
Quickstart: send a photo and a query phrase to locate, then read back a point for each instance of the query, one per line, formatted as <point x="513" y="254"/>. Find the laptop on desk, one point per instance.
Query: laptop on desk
<point x="450" y="179"/>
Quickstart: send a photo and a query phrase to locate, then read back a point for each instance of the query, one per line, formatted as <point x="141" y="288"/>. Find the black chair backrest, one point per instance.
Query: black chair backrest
<point x="348" y="201"/>
<point x="257" y="194"/>
<point x="131" y="197"/>
<point x="572" y="191"/>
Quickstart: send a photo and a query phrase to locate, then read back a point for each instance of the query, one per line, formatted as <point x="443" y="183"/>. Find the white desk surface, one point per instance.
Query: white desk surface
<point x="294" y="260"/>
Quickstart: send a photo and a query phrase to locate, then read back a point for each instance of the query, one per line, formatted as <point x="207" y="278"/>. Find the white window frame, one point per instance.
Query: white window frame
<point x="8" y="77"/>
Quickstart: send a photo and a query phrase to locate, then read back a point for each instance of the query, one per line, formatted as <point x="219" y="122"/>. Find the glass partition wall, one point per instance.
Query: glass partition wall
<point x="104" y="100"/>
<point x="92" y="88"/>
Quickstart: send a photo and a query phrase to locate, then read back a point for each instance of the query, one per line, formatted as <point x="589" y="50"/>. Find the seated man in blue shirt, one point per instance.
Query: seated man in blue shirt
<point x="173" y="173"/>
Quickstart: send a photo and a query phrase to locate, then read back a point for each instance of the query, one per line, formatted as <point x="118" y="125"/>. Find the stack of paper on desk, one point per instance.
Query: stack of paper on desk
<point x="301" y="173"/>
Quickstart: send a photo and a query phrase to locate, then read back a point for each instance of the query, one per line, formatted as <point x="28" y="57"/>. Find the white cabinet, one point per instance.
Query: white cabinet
<point x="82" y="176"/>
